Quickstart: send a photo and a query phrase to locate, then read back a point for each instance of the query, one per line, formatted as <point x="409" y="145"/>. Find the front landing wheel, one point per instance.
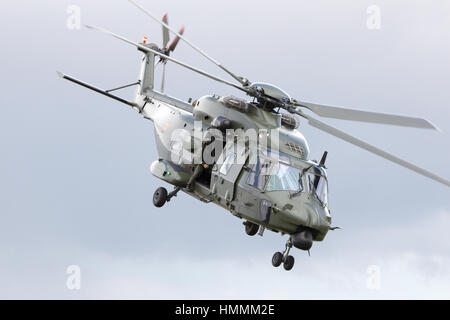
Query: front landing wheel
<point x="277" y="259"/>
<point x="289" y="263"/>
<point x="160" y="197"/>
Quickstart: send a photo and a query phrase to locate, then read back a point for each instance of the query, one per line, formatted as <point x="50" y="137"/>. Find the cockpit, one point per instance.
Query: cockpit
<point x="273" y="172"/>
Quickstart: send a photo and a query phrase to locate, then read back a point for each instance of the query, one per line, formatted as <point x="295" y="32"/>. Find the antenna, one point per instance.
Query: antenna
<point x="324" y="158"/>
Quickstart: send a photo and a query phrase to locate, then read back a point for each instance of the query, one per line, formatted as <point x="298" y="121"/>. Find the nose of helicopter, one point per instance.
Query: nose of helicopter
<point x="327" y="214"/>
<point x="322" y="213"/>
<point x="301" y="210"/>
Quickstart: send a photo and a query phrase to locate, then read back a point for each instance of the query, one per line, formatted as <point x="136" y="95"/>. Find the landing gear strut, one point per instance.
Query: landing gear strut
<point x="287" y="260"/>
<point x="160" y="197"/>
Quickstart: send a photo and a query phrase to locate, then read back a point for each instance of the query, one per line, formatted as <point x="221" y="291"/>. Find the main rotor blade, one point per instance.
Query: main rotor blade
<point x="364" y="145"/>
<point x="146" y="49"/>
<point x="166" y="36"/>
<point x="241" y="80"/>
<point x="366" y="116"/>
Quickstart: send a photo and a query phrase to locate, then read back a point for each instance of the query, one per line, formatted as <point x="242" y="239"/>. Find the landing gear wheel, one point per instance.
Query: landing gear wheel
<point x="289" y="263"/>
<point x="251" y="228"/>
<point x="277" y="259"/>
<point x="160" y="197"/>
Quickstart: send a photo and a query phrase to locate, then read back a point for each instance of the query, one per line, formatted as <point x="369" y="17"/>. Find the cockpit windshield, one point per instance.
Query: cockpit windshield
<point x="276" y="174"/>
<point x="265" y="164"/>
<point x="285" y="178"/>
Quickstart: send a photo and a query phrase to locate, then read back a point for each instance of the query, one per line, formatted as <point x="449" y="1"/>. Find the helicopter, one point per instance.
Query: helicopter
<point x="247" y="157"/>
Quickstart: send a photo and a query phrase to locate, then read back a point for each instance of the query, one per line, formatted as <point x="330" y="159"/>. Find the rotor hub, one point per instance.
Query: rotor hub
<point x="271" y="91"/>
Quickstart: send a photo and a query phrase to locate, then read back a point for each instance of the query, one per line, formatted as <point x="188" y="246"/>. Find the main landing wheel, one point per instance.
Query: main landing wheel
<point x="160" y="197"/>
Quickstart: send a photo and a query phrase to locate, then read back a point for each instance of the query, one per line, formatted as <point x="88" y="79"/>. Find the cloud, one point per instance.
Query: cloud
<point x="413" y="259"/>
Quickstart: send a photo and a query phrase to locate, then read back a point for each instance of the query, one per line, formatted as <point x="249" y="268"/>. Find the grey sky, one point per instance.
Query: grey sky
<point x="75" y="180"/>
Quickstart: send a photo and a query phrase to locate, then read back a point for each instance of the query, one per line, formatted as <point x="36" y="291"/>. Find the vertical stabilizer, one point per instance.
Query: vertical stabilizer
<point x="147" y="75"/>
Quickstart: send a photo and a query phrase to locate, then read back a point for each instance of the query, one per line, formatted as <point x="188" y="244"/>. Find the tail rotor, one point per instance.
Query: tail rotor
<point x="166" y="35"/>
<point x="167" y="49"/>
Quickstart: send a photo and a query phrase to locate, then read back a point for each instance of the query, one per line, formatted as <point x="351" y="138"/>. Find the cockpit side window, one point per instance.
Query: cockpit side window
<point x="322" y="190"/>
<point x="260" y="173"/>
<point x="318" y="186"/>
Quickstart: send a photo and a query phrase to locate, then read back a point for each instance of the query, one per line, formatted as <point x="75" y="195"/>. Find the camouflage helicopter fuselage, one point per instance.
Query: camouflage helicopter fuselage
<point x="282" y="211"/>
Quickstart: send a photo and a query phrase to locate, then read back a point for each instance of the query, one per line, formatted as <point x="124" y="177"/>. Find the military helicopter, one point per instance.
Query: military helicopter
<point x="278" y="188"/>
